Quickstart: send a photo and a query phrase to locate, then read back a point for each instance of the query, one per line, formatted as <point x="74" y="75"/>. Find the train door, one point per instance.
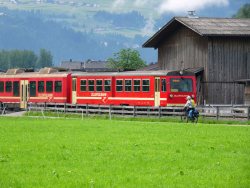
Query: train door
<point x="24" y="94"/>
<point x="157" y="91"/>
<point x="73" y="90"/>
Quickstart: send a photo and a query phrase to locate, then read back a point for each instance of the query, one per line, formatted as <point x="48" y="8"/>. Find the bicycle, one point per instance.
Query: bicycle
<point x="192" y="115"/>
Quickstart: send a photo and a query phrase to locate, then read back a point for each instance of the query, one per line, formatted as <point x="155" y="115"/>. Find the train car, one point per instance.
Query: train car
<point x="135" y="88"/>
<point x="17" y="87"/>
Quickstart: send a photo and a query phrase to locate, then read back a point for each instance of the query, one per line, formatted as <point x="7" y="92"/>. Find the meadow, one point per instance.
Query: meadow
<point x="114" y="153"/>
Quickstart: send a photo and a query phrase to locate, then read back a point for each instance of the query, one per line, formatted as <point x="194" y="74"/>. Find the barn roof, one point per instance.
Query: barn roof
<point x="151" y="67"/>
<point x="203" y="27"/>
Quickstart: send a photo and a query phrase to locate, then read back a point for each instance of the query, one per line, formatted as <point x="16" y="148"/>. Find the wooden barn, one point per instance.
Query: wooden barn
<point x="218" y="46"/>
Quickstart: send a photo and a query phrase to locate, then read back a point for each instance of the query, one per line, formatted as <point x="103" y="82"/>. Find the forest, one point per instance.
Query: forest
<point x="25" y="59"/>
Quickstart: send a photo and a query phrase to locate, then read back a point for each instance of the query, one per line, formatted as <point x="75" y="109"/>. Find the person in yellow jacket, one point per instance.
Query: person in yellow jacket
<point x="193" y="103"/>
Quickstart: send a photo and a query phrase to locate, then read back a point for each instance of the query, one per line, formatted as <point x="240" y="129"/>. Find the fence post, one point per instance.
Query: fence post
<point x="82" y="114"/>
<point x="134" y="112"/>
<point x="217" y="112"/>
<point x="248" y="113"/>
<point x="159" y="108"/>
<point x="87" y="110"/>
<point x="110" y="113"/>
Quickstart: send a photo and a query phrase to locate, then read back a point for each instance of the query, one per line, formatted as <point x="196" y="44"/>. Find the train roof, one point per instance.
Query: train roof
<point x="136" y="73"/>
<point x="54" y="72"/>
<point x="28" y="73"/>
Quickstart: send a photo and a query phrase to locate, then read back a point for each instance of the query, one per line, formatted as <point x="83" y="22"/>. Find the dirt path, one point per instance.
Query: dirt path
<point x="15" y="114"/>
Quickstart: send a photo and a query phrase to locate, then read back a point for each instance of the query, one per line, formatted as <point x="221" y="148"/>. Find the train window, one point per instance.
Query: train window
<point x="137" y="85"/>
<point x="181" y="85"/>
<point x="58" y="86"/>
<point x="49" y="86"/>
<point x="40" y="86"/>
<point x="128" y="85"/>
<point x="32" y="88"/>
<point x="8" y="86"/>
<point x="145" y="85"/>
<point x="98" y="85"/>
<point x="107" y="85"/>
<point x="119" y="85"/>
<point x="163" y="85"/>
<point x="91" y="84"/>
<point x="1" y="87"/>
<point x="16" y="88"/>
<point x="83" y="85"/>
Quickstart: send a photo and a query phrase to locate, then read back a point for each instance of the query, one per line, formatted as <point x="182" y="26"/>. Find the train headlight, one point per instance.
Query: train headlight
<point x="171" y="95"/>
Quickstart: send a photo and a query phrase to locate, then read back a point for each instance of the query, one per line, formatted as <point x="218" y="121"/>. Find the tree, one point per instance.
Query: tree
<point x="45" y="59"/>
<point x="17" y="59"/>
<point x="128" y="59"/>
<point x="243" y="12"/>
<point x="4" y="60"/>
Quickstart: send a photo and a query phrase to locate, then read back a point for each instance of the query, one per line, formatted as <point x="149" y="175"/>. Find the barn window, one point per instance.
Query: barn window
<point x="33" y="88"/>
<point x="137" y="85"/>
<point x="98" y="85"/>
<point x="145" y="85"/>
<point x="1" y="87"/>
<point x="181" y="85"/>
<point x="83" y="85"/>
<point x="16" y="88"/>
<point x="8" y="86"/>
<point x="49" y="86"/>
<point x="40" y="86"/>
<point x="163" y="85"/>
<point x="91" y="84"/>
<point x="58" y="86"/>
<point x="107" y="85"/>
<point x="119" y="85"/>
<point x="128" y="85"/>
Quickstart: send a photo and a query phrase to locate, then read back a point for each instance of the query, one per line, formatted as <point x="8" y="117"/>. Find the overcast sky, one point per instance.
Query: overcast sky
<point x="176" y="6"/>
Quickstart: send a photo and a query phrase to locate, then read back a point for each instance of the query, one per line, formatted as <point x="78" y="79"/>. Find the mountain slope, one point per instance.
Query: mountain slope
<point x="88" y="29"/>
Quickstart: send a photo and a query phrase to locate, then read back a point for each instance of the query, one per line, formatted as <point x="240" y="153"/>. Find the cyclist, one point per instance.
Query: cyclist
<point x="189" y="106"/>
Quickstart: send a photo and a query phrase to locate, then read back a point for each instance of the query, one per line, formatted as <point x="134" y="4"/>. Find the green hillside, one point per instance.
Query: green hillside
<point x="80" y="14"/>
<point x="89" y="29"/>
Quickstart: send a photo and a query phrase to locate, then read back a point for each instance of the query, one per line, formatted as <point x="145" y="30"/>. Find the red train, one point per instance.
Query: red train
<point x="136" y="88"/>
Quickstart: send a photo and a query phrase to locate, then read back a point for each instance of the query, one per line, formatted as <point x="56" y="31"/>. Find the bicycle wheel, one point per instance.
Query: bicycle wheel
<point x="196" y="119"/>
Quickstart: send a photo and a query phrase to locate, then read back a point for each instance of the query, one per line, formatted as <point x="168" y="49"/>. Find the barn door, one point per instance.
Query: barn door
<point x="157" y="91"/>
<point x="74" y="91"/>
<point x="24" y="94"/>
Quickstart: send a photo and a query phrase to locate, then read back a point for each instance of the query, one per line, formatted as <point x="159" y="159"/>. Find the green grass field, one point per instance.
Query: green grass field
<point x="104" y="153"/>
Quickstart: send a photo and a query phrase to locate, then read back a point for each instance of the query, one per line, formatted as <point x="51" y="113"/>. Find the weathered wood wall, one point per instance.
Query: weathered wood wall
<point x="183" y="46"/>
<point x="227" y="62"/>
<point x="247" y="94"/>
<point x="224" y="60"/>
